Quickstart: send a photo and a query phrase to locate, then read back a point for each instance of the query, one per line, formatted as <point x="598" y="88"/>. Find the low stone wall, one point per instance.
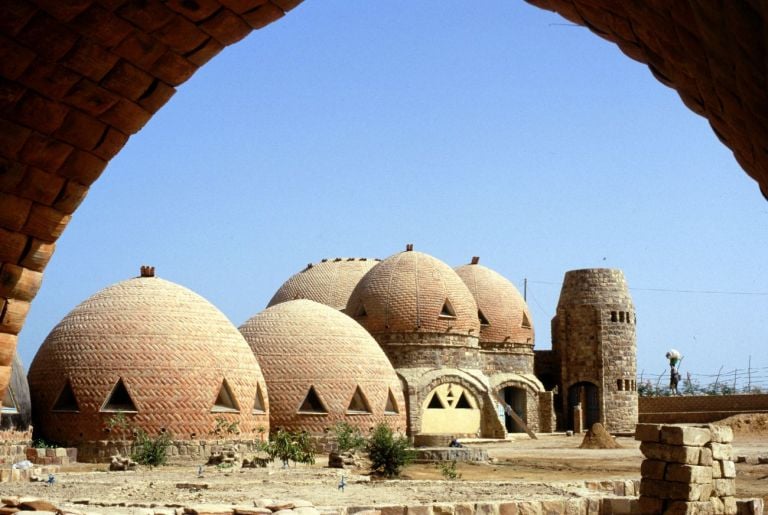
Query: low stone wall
<point x="13" y="445"/>
<point x="700" y="409"/>
<point x="180" y="451"/>
<point x="462" y="454"/>
<point x="52" y="456"/>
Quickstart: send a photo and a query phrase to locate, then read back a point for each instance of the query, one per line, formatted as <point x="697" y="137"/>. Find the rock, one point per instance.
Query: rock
<point x="119" y="463"/>
<point x="762" y="460"/>
<point x="209" y="509"/>
<point x="38" y="505"/>
<point x="192" y="486"/>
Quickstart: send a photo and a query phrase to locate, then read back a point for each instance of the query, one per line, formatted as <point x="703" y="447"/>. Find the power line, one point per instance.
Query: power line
<point x="672" y="290"/>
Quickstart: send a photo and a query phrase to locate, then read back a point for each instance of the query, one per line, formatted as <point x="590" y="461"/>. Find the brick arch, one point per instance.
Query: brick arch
<point x="79" y="77"/>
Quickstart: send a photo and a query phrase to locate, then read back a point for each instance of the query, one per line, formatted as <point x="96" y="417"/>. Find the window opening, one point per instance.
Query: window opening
<point x="481" y="317"/>
<point x="66" y="401"/>
<point x="312" y="403"/>
<point x="526" y="321"/>
<point x="621" y="316"/>
<point x="361" y="312"/>
<point x="391" y="406"/>
<point x="447" y="310"/>
<point x="225" y="400"/>
<point x="435" y="402"/>
<point x="359" y="403"/>
<point x="9" y="402"/>
<point x="620" y="384"/>
<point x="119" y="399"/>
<point x="258" y="403"/>
<point x="614" y="318"/>
<point x="463" y="402"/>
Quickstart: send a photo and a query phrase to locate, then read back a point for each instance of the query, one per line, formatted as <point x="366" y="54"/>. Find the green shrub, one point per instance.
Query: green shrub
<point x="388" y="453"/>
<point x="287" y="446"/>
<point x="448" y="469"/>
<point x="348" y="437"/>
<point x="151" y="451"/>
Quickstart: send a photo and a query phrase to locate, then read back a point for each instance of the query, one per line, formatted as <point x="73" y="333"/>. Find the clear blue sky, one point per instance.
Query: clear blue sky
<point x="492" y="129"/>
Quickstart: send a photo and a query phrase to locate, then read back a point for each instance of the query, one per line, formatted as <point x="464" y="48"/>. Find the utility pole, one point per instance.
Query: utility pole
<point x="525" y="289"/>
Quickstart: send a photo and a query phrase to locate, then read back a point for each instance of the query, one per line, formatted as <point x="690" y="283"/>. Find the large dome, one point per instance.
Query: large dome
<point x="154" y="351"/>
<point x="413" y="292"/>
<point x="503" y="314"/>
<point x="329" y="282"/>
<point x="323" y="368"/>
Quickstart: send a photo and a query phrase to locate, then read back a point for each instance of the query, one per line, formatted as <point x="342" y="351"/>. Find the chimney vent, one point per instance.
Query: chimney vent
<point x="408" y="247"/>
<point x="147" y="271"/>
<point x="475" y="260"/>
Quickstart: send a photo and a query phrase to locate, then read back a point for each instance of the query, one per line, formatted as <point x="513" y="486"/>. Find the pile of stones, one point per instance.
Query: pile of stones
<point x="228" y="456"/>
<point x="119" y="463"/>
<point x="688" y="469"/>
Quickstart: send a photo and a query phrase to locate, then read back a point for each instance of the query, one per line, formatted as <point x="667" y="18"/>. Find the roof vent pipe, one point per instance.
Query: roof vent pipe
<point x="475" y="260"/>
<point x="409" y="247"/>
<point x="147" y="271"/>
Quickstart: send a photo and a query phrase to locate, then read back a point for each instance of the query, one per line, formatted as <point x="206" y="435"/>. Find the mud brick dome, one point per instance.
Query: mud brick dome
<point x="593" y="337"/>
<point x="413" y="303"/>
<point x="329" y="282"/>
<point x="154" y="351"/>
<point x="505" y="322"/>
<point x="322" y="368"/>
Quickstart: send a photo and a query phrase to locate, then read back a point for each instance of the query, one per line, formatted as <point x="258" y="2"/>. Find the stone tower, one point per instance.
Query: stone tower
<point x="594" y="344"/>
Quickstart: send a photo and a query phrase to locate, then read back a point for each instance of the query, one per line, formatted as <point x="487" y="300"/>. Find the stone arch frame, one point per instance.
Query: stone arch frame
<point x="532" y="391"/>
<point x="434" y="378"/>
<point x="600" y="398"/>
<point x="79" y="77"/>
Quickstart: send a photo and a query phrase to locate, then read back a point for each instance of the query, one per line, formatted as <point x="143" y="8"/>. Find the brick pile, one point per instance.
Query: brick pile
<point x="52" y="456"/>
<point x="688" y="469"/>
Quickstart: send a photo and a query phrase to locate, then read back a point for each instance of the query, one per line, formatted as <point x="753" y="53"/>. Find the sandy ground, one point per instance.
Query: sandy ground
<point x="520" y="468"/>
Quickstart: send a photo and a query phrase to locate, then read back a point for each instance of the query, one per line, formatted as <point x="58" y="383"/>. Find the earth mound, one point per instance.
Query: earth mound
<point x="747" y="423"/>
<point x="598" y="438"/>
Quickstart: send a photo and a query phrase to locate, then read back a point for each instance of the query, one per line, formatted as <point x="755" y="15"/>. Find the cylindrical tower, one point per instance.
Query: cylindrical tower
<point x="593" y="336"/>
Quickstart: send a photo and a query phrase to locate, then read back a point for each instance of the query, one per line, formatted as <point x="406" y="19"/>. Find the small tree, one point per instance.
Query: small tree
<point x="348" y="437"/>
<point x="151" y="451"/>
<point x="287" y="446"/>
<point x="388" y="453"/>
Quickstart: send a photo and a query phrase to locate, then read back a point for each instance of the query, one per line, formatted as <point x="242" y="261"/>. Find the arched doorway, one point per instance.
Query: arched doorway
<point x="587" y="395"/>
<point x="450" y="409"/>
<point x="516" y="398"/>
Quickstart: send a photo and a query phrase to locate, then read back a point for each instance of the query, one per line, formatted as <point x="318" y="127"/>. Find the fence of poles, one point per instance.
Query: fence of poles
<point x="749" y="380"/>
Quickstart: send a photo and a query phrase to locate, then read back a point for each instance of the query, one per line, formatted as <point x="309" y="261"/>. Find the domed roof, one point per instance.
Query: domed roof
<point x="413" y="292"/>
<point x="329" y="282"/>
<point x="323" y="368"/>
<point x="606" y="286"/>
<point x="17" y="412"/>
<point x="503" y="314"/>
<point x="151" y="349"/>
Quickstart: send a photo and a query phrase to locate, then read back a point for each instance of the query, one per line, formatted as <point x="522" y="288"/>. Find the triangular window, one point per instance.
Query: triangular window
<point x="526" y="321"/>
<point x="447" y="310"/>
<point x="66" y="400"/>
<point x="9" y="402"/>
<point x="225" y="400"/>
<point x="119" y="399"/>
<point x="361" y="312"/>
<point x="435" y="402"/>
<point x="481" y="317"/>
<point x="463" y="402"/>
<point x="391" y="406"/>
<point x="258" y="404"/>
<point x="312" y="403"/>
<point x="359" y="404"/>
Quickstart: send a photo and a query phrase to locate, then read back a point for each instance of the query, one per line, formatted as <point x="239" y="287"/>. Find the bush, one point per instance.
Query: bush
<point x="287" y="446"/>
<point x="348" y="437"/>
<point x="151" y="451"/>
<point x="388" y="453"/>
<point x="448" y="470"/>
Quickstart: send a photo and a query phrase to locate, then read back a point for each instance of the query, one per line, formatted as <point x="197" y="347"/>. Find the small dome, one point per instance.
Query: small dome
<point x="593" y="286"/>
<point x="329" y="282"/>
<point x="413" y="292"/>
<point x="323" y="368"/>
<point x="501" y="310"/>
<point x="154" y="351"/>
<point x="17" y="412"/>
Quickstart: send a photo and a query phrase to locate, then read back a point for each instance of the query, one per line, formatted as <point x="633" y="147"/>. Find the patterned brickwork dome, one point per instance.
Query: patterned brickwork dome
<point x="329" y="282"/>
<point x="413" y="292"/>
<point x="322" y="368"/>
<point x="503" y="314"/>
<point x="153" y="351"/>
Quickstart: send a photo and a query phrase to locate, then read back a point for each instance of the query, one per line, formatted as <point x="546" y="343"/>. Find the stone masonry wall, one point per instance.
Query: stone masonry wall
<point x="410" y="350"/>
<point x="180" y="450"/>
<point x="687" y="469"/>
<point x="516" y="358"/>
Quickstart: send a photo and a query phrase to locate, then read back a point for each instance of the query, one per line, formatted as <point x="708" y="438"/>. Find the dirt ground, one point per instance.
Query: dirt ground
<point x="520" y="468"/>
